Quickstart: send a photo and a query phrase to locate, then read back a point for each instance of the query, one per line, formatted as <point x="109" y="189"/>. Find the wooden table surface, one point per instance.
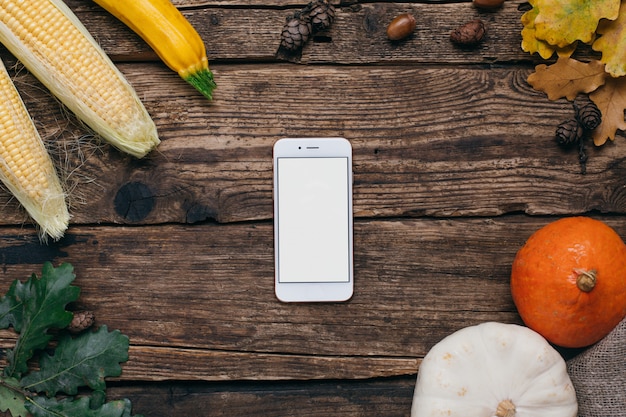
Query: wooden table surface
<point x="454" y="167"/>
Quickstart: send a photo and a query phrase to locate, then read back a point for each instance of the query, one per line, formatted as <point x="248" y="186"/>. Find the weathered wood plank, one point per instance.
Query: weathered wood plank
<point x="420" y="133"/>
<point x="148" y="363"/>
<point x="357" y="36"/>
<point x="200" y="304"/>
<point x="163" y="364"/>
<point x="176" y="250"/>
<point x="427" y="141"/>
<point x="211" y="286"/>
<point x="373" y="398"/>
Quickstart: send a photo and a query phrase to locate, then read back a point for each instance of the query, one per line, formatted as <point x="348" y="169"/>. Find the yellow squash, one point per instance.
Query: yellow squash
<point x="170" y="35"/>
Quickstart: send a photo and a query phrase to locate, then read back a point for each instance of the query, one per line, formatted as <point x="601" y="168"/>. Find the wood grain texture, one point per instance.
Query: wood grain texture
<point x="455" y="166"/>
<point x="200" y="304"/>
<point x="427" y="141"/>
<point x="431" y="137"/>
<point x="371" y="398"/>
<point x="357" y="36"/>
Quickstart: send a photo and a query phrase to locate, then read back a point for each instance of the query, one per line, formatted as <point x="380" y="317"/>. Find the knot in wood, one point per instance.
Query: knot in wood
<point x="134" y="201"/>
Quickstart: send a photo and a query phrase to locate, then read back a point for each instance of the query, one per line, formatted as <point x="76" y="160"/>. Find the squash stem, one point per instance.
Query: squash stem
<point x="586" y="280"/>
<point x="202" y="81"/>
<point x="506" y="408"/>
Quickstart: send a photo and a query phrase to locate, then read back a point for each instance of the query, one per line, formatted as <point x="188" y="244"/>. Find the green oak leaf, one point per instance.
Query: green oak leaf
<point x="11" y="309"/>
<point x="85" y="360"/>
<point x="68" y="407"/>
<point x="97" y="399"/>
<point x="43" y="307"/>
<point x="11" y="399"/>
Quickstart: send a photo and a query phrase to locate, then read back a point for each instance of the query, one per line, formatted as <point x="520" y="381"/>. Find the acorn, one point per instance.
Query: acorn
<point x="471" y="33"/>
<point x="488" y="4"/>
<point x="401" y="27"/>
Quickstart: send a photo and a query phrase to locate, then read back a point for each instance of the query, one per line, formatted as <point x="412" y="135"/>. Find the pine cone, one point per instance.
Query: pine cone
<point x="568" y="132"/>
<point x="296" y="32"/>
<point x="588" y="115"/>
<point x="321" y="14"/>
<point x="82" y="321"/>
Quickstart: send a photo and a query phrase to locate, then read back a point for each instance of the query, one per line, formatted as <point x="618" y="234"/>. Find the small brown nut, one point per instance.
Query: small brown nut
<point x="82" y="320"/>
<point x="488" y="4"/>
<point x="401" y="27"/>
<point x="470" y="33"/>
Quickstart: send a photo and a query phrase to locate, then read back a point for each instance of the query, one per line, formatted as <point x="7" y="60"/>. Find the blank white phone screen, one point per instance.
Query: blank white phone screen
<point x="313" y="220"/>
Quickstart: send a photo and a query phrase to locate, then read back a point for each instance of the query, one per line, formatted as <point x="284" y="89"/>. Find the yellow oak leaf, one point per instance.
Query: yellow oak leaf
<point x="530" y="42"/>
<point x="611" y="101"/>
<point x="567" y="51"/>
<point x="561" y="23"/>
<point x="567" y="78"/>
<point x="612" y="43"/>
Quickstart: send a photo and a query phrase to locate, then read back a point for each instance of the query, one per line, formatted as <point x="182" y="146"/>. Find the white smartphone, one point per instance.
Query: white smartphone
<point x="313" y="219"/>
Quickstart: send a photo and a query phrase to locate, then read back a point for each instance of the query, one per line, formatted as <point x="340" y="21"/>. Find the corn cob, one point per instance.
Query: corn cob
<point x="25" y="165"/>
<point x="170" y="35"/>
<point x="53" y="44"/>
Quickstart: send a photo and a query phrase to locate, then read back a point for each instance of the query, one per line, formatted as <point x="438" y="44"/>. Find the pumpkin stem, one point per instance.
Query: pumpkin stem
<point x="586" y="280"/>
<point x="506" y="408"/>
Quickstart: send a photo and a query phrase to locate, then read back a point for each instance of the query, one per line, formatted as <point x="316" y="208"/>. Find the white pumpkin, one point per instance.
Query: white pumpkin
<point x="494" y="369"/>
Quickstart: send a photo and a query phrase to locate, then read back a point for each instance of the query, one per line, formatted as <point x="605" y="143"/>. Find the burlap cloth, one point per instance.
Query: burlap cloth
<point x="599" y="376"/>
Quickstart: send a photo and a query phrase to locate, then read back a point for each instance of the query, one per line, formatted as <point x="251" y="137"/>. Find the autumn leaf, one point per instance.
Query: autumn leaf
<point x="11" y="399"/>
<point x="84" y="360"/>
<point x="567" y="78"/>
<point x="532" y="44"/>
<point x="69" y="379"/>
<point x="611" y="101"/>
<point x="51" y="407"/>
<point x="612" y="43"/>
<point x="561" y="23"/>
<point x="42" y="301"/>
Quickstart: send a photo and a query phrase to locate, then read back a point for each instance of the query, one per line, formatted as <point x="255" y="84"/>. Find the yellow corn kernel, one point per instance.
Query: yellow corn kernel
<point x="47" y="37"/>
<point x="25" y="165"/>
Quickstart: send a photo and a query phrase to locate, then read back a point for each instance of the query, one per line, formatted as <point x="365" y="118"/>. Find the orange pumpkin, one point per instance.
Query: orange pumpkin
<point x="568" y="281"/>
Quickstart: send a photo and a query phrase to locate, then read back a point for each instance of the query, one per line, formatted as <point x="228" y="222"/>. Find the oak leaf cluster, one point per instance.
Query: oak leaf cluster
<point x="559" y="28"/>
